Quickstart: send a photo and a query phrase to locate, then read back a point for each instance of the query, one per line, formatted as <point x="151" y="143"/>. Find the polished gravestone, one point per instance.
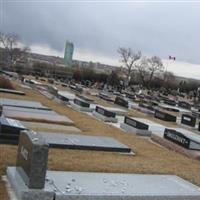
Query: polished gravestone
<point x="29" y="114"/>
<point x="170" y="102"/>
<point x="22" y="104"/>
<point x="105" y="97"/>
<point x="16" y="92"/>
<point x="85" y="98"/>
<point x="135" y="125"/>
<point x="84" y="142"/>
<point x="184" y="104"/>
<point x="81" y="105"/>
<point x="10" y="130"/>
<point x="121" y="101"/>
<point x="30" y="180"/>
<point x="183" y="138"/>
<point x="164" y="116"/>
<point x="188" y="120"/>
<point x="104" y="114"/>
<point x="65" y="96"/>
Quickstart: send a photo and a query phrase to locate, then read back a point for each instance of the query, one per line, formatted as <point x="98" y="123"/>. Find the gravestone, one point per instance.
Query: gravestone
<point x="104" y="112"/>
<point x="136" y="126"/>
<point x="32" y="159"/>
<point x="183" y="138"/>
<point x="134" y="123"/>
<point x="105" y="115"/>
<point x="184" y="104"/>
<point x="121" y="101"/>
<point x="85" y="98"/>
<point x="188" y="120"/>
<point x="105" y="97"/>
<point x="164" y="116"/>
<point x="10" y="130"/>
<point x="81" y="103"/>
<point x="16" y="92"/>
<point x="170" y="102"/>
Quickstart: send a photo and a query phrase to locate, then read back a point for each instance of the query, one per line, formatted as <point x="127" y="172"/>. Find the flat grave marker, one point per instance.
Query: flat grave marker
<point x="121" y="101"/>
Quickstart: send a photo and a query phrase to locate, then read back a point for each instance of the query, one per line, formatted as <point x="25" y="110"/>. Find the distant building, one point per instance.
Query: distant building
<point x="69" y="49"/>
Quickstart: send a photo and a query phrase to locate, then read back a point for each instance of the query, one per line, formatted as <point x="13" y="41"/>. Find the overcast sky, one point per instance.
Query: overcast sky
<point x="98" y="29"/>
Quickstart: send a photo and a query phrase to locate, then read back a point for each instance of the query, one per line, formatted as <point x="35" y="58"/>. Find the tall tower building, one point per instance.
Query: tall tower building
<point x="69" y="49"/>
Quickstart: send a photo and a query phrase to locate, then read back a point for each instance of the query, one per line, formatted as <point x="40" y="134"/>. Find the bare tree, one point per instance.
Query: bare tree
<point x="128" y="59"/>
<point x="147" y="68"/>
<point x="10" y="42"/>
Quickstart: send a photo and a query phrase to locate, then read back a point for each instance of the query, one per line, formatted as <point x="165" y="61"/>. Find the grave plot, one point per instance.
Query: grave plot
<point x="165" y="116"/>
<point x="16" y="92"/>
<point x="85" y="98"/>
<point x="121" y="102"/>
<point x="22" y="104"/>
<point x="84" y="142"/>
<point x="185" y="105"/>
<point x="188" y="120"/>
<point x="65" y="96"/>
<point x="105" y="114"/>
<point x="136" y="126"/>
<point x="180" y="140"/>
<point x="105" y="97"/>
<point x="35" y="115"/>
<point x="10" y="130"/>
<point x="81" y="105"/>
<point x="50" y="127"/>
<point x="31" y="180"/>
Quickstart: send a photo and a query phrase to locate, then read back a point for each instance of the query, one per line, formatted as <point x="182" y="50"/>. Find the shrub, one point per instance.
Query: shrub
<point x="5" y="83"/>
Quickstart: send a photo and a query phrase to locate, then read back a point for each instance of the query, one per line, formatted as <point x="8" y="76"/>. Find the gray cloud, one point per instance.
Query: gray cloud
<point x="154" y="28"/>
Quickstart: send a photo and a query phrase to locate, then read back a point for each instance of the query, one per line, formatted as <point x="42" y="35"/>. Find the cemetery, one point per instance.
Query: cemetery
<point x="30" y="179"/>
<point x="82" y="135"/>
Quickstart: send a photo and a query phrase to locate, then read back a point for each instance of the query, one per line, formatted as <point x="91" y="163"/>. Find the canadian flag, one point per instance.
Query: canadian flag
<point x="172" y="58"/>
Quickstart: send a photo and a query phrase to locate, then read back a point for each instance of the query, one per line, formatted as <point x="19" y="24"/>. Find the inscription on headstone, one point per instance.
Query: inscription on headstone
<point x="32" y="159"/>
<point x="188" y="120"/>
<point x="177" y="137"/>
<point x="136" y="124"/>
<point x="81" y="103"/>
<point x="164" y="116"/>
<point x="184" y="104"/>
<point x="104" y="112"/>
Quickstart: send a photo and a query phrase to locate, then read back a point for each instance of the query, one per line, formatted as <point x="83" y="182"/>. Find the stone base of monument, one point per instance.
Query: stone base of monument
<point x="21" y="190"/>
<point x="134" y="130"/>
<point x="61" y="185"/>
<point x="104" y="118"/>
<point x="172" y="146"/>
<point x="80" y="108"/>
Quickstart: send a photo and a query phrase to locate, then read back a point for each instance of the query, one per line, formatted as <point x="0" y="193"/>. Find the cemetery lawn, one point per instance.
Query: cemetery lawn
<point x="150" y="158"/>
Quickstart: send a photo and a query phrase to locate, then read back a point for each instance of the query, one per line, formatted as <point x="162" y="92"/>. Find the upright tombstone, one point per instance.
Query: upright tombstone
<point x="188" y="120"/>
<point x="81" y="105"/>
<point x="183" y="138"/>
<point x="164" y="116"/>
<point x="121" y="101"/>
<point x="184" y="104"/>
<point x="32" y="159"/>
<point x="105" y="115"/>
<point x="134" y="125"/>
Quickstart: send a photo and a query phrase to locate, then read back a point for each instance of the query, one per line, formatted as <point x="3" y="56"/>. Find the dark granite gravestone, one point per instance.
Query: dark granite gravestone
<point x="188" y="120"/>
<point x="85" y="98"/>
<point x="81" y="103"/>
<point x="105" y="112"/>
<point x="16" y="92"/>
<point x="130" y="95"/>
<point x="105" y="97"/>
<point x="170" y="102"/>
<point x="1" y="109"/>
<point x="10" y="130"/>
<point x="184" y="104"/>
<point x="147" y="106"/>
<point x="32" y="159"/>
<point x="183" y="138"/>
<point x="164" y="116"/>
<point x="136" y="124"/>
<point x="121" y="101"/>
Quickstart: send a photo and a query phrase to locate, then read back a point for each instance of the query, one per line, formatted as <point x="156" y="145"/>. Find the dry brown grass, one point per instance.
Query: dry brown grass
<point x="150" y="158"/>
